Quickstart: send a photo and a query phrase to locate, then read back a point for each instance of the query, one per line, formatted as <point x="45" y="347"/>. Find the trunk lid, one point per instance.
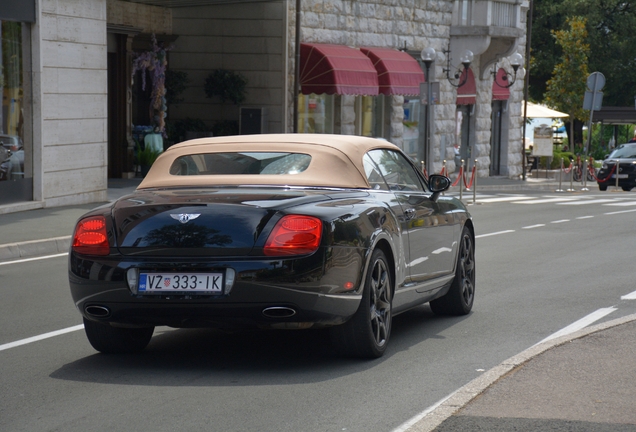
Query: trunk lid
<point x="200" y="222"/>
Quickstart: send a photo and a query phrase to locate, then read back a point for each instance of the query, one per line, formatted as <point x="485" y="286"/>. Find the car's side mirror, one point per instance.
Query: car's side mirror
<point x="438" y="184"/>
<point x="606" y="156"/>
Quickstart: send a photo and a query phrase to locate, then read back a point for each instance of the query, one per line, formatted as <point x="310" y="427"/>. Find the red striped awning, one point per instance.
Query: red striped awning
<point x="467" y="93"/>
<point x="499" y="90"/>
<point x="398" y="72"/>
<point x="336" y="69"/>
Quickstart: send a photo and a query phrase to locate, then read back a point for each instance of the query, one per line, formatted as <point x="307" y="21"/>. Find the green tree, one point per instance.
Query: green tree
<point x="566" y="89"/>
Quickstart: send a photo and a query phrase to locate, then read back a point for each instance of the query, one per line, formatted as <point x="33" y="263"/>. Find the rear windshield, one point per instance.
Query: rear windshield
<point x="266" y="163"/>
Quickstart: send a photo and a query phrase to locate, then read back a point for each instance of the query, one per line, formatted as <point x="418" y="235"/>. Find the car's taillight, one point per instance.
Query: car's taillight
<point x="294" y="235"/>
<point x="90" y="236"/>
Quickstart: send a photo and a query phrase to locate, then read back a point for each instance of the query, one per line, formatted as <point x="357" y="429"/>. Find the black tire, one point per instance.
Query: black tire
<point x="627" y="188"/>
<point x="367" y="333"/>
<point x="116" y="340"/>
<point x="461" y="294"/>
<point x="602" y="187"/>
<point x="576" y="174"/>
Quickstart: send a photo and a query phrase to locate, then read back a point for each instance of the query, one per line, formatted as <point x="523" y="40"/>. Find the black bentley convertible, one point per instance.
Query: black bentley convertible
<point x="278" y="232"/>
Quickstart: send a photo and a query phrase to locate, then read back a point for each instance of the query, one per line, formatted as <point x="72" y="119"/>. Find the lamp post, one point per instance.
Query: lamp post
<point x="428" y="57"/>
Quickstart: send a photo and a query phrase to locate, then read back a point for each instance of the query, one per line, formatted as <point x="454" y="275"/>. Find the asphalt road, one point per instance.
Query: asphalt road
<point x="540" y="268"/>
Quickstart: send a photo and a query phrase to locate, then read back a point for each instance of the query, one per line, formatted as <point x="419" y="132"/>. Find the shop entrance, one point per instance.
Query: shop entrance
<point x="495" y="143"/>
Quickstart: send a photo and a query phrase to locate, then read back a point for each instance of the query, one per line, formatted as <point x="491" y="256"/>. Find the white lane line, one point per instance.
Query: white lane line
<point x="533" y="226"/>
<point x="40" y="337"/>
<point x="504" y="199"/>
<point x="560" y="221"/>
<point x="546" y="200"/>
<point x="495" y="233"/>
<point x="630" y="296"/>
<point x="622" y="204"/>
<point x="597" y="201"/>
<point x="582" y="323"/>
<point x="585" y="217"/>
<point x="33" y="259"/>
<point x="620" y="212"/>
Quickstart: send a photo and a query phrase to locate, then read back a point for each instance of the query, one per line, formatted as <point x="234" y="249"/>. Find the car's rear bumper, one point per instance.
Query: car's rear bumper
<point x="265" y="293"/>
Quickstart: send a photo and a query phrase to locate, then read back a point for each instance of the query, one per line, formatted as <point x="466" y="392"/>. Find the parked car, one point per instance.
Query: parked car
<point x="11" y="157"/>
<point x="625" y="156"/>
<point x="281" y="231"/>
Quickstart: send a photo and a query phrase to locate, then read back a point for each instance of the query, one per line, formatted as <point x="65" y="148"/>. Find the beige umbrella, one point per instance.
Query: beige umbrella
<point x="541" y="111"/>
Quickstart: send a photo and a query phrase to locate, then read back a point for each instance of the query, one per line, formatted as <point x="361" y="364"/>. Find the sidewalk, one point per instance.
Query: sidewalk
<point x="582" y="382"/>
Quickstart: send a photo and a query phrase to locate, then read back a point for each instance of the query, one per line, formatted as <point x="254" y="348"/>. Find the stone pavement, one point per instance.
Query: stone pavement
<point x="582" y="382"/>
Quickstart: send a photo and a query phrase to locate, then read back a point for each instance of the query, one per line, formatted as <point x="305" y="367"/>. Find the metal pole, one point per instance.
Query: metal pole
<point x="525" y="89"/>
<point x="461" y="173"/>
<point x="571" y="177"/>
<point x="560" y="177"/>
<point x="429" y="99"/>
<point x="475" y="184"/>
<point x="584" y="174"/>
<point x="297" y="67"/>
<point x="617" y="168"/>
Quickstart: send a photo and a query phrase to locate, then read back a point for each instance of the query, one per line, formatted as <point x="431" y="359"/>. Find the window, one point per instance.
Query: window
<point x="315" y="113"/>
<point x="16" y="167"/>
<point x="370" y="116"/>
<point x="374" y="177"/>
<point x="398" y="173"/>
<point x="256" y="163"/>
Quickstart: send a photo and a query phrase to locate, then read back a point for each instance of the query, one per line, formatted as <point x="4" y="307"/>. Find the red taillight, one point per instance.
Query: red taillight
<point x="294" y="235"/>
<point x="90" y="236"/>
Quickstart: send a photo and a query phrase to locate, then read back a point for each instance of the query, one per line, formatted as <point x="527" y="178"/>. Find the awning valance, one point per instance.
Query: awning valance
<point x="467" y="93"/>
<point x="336" y="69"/>
<point x="398" y="72"/>
<point x="499" y="89"/>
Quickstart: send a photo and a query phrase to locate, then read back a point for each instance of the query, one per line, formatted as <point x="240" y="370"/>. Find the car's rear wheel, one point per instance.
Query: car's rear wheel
<point x="627" y="188"/>
<point x="461" y="295"/>
<point x="116" y="340"/>
<point x="602" y="187"/>
<point x="367" y="333"/>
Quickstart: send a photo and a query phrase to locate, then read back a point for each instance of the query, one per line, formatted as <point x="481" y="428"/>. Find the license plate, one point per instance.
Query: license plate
<point x="620" y="176"/>
<point x="181" y="283"/>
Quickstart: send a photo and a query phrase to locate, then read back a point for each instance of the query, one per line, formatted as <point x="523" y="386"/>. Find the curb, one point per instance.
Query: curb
<point x="35" y="247"/>
<point x="432" y="418"/>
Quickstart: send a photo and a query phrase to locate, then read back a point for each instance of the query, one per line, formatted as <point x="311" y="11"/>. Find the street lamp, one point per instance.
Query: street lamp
<point x="428" y="57"/>
<point x="515" y="61"/>
<point x="466" y="59"/>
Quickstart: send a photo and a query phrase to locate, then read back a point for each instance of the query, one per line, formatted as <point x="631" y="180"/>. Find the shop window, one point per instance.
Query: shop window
<point x="411" y="131"/>
<point x="315" y="113"/>
<point x="370" y="115"/>
<point x="16" y="170"/>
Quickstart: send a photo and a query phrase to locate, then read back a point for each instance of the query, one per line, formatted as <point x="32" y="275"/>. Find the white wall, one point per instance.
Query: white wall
<point x="72" y="101"/>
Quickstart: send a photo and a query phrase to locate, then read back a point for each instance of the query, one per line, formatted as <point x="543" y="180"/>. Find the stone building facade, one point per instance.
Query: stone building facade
<point x="77" y="113"/>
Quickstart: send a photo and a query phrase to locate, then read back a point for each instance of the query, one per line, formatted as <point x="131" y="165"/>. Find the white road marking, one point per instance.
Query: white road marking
<point x="545" y="200"/>
<point x="585" y="217"/>
<point x="40" y="337"/>
<point x="597" y="201"/>
<point x="630" y="296"/>
<point x="620" y="212"/>
<point x="33" y="259"/>
<point x="622" y="204"/>
<point x="533" y="226"/>
<point x="580" y="324"/>
<point x="495" y="233"/>
<point x="560" y="221"/>
<point x="504" y="199"/>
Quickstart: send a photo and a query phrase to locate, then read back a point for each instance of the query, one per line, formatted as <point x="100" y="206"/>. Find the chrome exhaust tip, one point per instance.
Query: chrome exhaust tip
<point x="97" y="311"/>
<point x="279" y="312"/>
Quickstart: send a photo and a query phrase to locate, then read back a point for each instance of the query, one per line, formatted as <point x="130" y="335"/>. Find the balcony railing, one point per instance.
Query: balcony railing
<point x="489" y="13"/>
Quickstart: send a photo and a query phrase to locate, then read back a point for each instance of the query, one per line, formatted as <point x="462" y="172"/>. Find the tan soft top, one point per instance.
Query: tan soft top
<point x="336" y="160"/>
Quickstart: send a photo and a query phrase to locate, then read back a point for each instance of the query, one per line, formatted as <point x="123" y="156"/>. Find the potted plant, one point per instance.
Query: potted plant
<point x="145" y="158"/>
